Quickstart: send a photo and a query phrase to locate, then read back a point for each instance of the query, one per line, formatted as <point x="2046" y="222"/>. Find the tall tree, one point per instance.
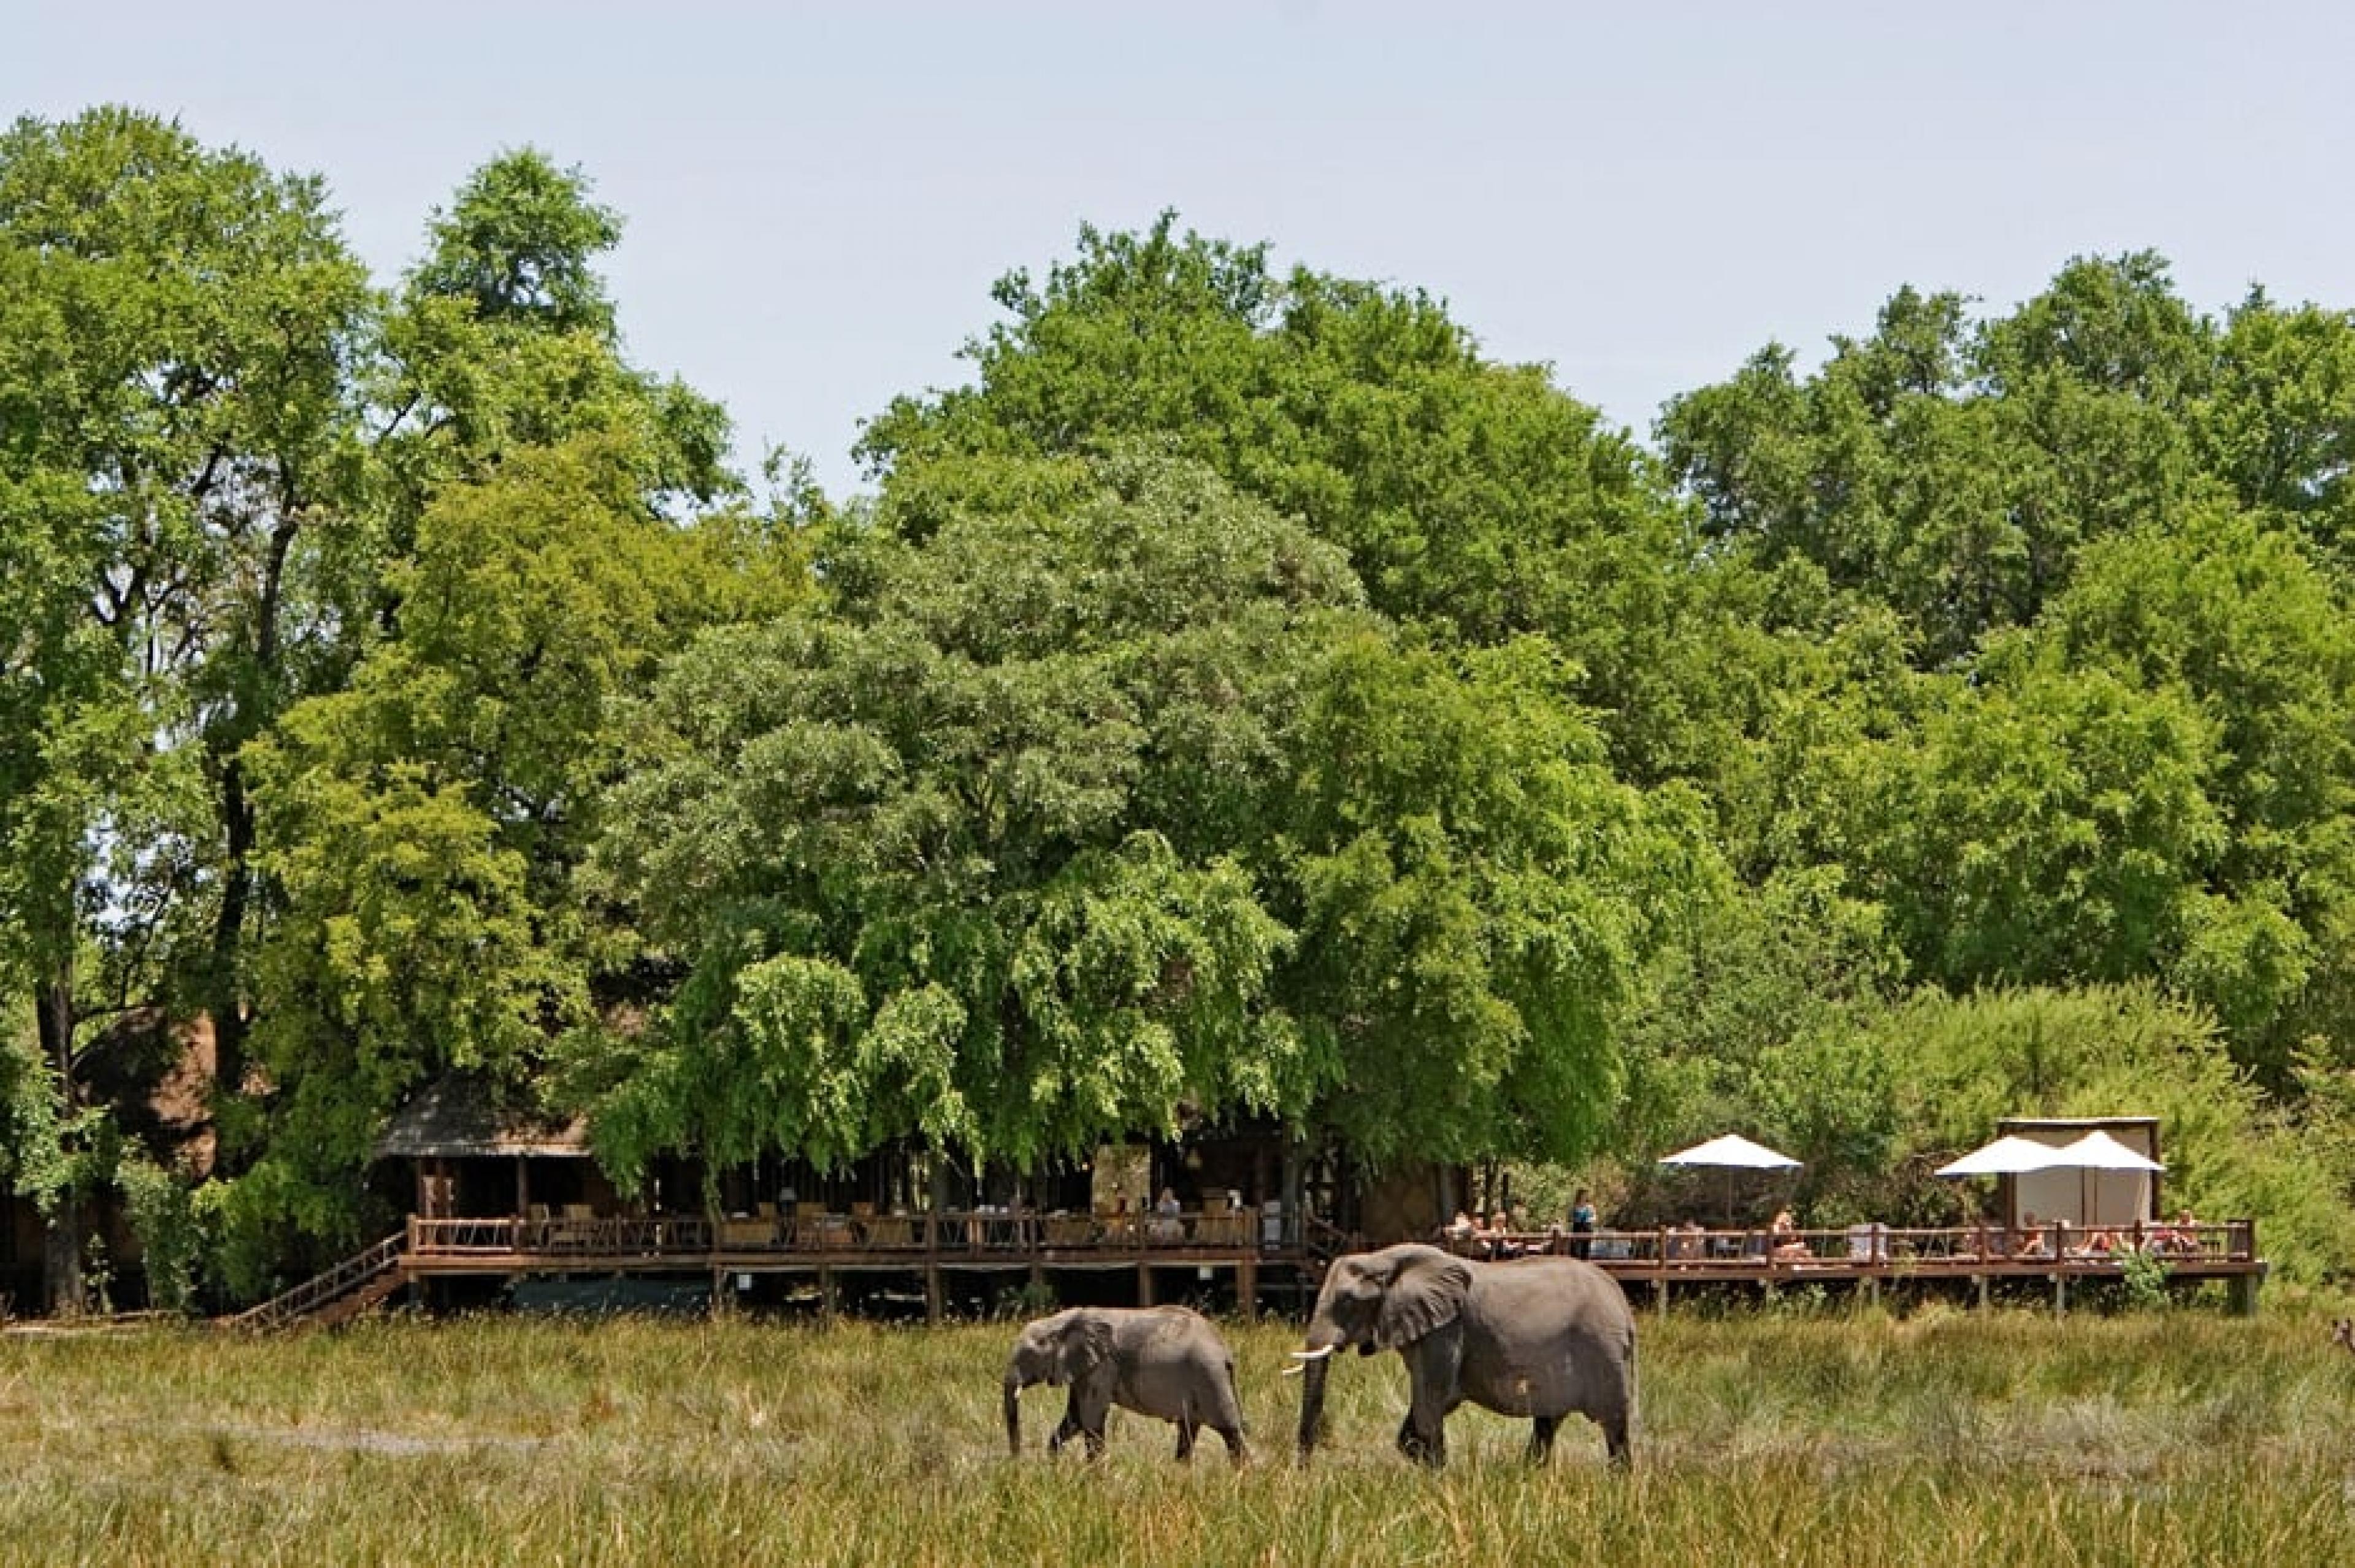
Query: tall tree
<point x="179" y="323"/>
<point x="1098" y="796"/>
<point x="1476" y="500"/>
<point x="535" y="557"/>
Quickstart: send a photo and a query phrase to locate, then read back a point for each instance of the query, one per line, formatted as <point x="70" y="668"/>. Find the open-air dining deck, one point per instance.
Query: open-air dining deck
<point x="1242" y="1242"/>
<point x="982" y="1236"/>
<point x="1216" y="1239"/>
<point x="1872" y="1257"/>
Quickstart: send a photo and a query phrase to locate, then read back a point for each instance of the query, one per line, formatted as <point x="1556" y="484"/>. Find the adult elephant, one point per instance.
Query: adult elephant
<point x="1163" y="1361"/>
<point x="1544" y="1337"/>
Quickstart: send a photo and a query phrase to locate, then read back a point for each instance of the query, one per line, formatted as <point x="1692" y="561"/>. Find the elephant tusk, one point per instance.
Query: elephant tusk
<point x="1306" y="1357"/>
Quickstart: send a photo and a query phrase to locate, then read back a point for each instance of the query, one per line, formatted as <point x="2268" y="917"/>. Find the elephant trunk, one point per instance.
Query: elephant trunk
<point x="1312" y="1401"/>
<point x="1014" y="1416"/>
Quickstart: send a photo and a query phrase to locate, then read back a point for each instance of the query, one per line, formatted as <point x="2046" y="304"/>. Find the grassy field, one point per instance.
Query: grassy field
<point x="2009" y="1439"/>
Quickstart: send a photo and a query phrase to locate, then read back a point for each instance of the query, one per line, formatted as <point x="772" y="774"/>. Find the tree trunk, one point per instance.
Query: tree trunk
<point x="224" y="995"/>
<point x="61" y="1244"/>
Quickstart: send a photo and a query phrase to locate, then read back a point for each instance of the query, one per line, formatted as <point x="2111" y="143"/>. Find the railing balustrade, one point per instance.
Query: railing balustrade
<point x="1871" y="1246"/>
<point x="942" y="1233"/>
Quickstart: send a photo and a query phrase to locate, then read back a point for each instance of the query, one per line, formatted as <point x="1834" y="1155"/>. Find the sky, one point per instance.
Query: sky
<point x="818" y="197"/>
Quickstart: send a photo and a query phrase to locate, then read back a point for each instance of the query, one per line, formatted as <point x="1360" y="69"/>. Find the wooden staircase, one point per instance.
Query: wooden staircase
<point x="341" y="1293"/>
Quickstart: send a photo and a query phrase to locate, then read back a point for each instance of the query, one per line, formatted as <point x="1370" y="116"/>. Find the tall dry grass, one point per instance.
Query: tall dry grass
<point x="1945" y="1438"/>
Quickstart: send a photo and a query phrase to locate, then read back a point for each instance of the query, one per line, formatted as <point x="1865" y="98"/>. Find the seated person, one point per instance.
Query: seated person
<point x="2184" y="1238"/>
<point x="1783" y="1237"/>
<point x="1460" y="1232"/>
<point x="2099" y="1243"/>
<point x="1500" y="1236"/>
<point x="2029" y="1242"/>
<point x="1166" y="1225"/>
<point x="1685" y="1242"/>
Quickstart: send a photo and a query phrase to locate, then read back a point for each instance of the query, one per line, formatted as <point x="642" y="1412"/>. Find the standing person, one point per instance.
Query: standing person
<point x="1582" y="1224"/>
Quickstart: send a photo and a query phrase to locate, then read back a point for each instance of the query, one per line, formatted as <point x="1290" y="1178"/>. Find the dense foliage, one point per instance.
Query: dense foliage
<point x="1243" y="699"/>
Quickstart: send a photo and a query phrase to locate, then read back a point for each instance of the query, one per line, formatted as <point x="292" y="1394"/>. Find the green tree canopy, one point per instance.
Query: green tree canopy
<point x="1102" y="801"/>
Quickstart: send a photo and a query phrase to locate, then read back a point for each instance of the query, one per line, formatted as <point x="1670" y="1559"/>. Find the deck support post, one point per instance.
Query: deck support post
<point x="1660" y="1293"/>
<point x="827" y="1302"/>
<point x="1247" y="1288"/>
<point x="2060" y="1296"/>
<point x="1145" y="1284"/>
<point x="932" y="1294"/>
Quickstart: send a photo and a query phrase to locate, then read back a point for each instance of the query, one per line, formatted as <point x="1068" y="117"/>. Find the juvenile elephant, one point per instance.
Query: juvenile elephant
<point x="1544" y="1337"/>
<point x="1162" y="1361"/>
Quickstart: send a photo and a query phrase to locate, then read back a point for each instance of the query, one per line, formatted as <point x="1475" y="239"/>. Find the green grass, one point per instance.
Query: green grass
<point x="2009" y="1439"/>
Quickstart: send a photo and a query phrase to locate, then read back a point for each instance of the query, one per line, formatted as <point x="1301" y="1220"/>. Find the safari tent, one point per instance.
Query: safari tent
<point x="2082" y="1193"/>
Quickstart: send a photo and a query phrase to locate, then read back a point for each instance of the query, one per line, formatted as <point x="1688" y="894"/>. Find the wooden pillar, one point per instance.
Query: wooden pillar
<point x="1247" y="1286"/>
<point x="1983" y="1290"/>
<point x="1660" y="1292"/>
<point x="2241" y="1295"/>
<point x="1294" y="1232"/>
<point x="933" y="1293"/>
<point x="2060" y="1295"/>
<point x="1145" y="1284"/>
<point x="523" y="1188"/>
<point x="828" y="1304"/>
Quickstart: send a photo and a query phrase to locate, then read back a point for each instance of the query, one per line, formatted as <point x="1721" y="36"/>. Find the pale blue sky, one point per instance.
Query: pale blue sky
<point x="1640" y="194"/>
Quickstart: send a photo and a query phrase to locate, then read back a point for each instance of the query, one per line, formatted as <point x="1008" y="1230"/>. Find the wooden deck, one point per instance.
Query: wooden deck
<point x="827" y="1248"/>
<point x="1873" y="1258"/>
<point x="930" y="1248"/>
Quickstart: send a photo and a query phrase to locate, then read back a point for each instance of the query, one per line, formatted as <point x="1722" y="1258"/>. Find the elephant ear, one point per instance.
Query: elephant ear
<point x="1085" y="1342"/>
<point x="1427" y="1292"/>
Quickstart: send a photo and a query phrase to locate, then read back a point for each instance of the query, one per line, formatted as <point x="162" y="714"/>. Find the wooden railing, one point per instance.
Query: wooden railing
<point x="319" y="1291"/>
<point x="1876" y="1247"/>
<point x="943" y="1234"/>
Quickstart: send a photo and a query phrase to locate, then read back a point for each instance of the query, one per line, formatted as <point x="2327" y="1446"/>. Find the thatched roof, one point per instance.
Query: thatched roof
<point x="461" y="1116"/>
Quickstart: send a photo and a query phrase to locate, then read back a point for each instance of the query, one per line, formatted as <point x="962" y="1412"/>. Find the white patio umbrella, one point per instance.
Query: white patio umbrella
<point x="2097" y="1152"/>
<point x="1732" y="1153"/>
<point x="1732" y="1150"/>
<point x="2010" y="1155"/>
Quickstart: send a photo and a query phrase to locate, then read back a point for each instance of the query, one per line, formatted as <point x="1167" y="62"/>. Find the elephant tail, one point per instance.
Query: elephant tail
<point x="1634" y="1399"/>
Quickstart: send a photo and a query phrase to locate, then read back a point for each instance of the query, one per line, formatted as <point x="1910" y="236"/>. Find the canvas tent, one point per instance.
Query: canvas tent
<point x="2111" y="1182"/>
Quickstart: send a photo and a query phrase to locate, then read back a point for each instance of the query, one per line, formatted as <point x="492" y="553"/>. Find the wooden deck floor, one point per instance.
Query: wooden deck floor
<point x="934" y="1248"/>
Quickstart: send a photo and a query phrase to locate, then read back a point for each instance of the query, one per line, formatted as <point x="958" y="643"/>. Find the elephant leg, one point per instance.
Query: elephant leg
<point x="1238" y="1453"/>
<point x="1616" y="1439"/>
<point x="1433" y="1364"/>
<point x="1185" y="1428"/>
<point x="1091" y="1408"/>
<point x="1067" y="1429"/>
<point x="1423" y="1447"/>
<point x="1541" y="1431"/>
